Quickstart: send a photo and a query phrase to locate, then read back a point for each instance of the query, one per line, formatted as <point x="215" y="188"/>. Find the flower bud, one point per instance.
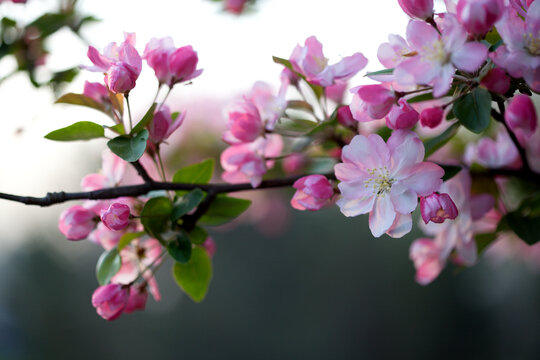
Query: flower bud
<point x="245" y="122"/>
<point x="76" y="222"/>
<point x="496" y="81"/>
<point x="137" y="298"/>
<point x="163" y="125"/>
<point x="121" y="79"/>
<point x="235" y="6"/>
<point x="431" y="117"/>
<point x="437" y="208"/>
<point x="210" y="246"/>
<point x="478" y="16"/>
<point x="110" y="300"/>
<point x="344" y="116"/>
<point x="312" y="193"/>
<point x="116" y="217"/>
<point x="402" y="116"/>
<point x="183" y="63"/>
<point x="420" y="9"/>
<point x="377" y="100"/>
<point x="521" y="117"/>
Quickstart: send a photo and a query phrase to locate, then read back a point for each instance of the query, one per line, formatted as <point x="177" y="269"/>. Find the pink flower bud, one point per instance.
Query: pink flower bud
<point x="137" y="298"/>
<point x="210" y="246"/>
<point x="76" y="222"/>
<point x="437" y="208"/>
<point x="120" y="78"/>
<point x="312" y="193"/>
<point x="156" y="54"/>
<point x="521" y="117"/>
<point x="344" y="117"/>
<point x="235" y="6"/>
<point x="163" y="125"/>
<point x="183" y="64"/>
<point x="426" y="256"/>
<point x="110" y="300"/>
<point x="96" y="91"/>
<point x="478" y="16"/>
<point x="245" y="123"/>
<point x="116" y="217"/>
<point x="402" y="116"/>
<point x="378" y="100"/>
<point x="420" y="9"/>
<point x="496" y="81"/>
<point x="431" y="117"/>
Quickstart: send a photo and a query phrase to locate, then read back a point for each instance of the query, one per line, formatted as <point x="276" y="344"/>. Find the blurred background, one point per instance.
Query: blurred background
<point x="286" y="284"/>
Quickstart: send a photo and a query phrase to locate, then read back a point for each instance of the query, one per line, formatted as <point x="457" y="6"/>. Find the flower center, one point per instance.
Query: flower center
<point x="380" y="181"/>
<point x="435" y="53"/>
<point x="532" y="44"/>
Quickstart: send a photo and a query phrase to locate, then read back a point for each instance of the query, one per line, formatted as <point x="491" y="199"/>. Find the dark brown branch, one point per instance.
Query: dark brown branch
<point x="142" y="172"/>
<point x="53" y="198"/>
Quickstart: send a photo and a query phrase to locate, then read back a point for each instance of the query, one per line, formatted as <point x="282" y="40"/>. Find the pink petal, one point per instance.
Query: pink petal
<point x="470" y="56"/>
<point x="402" y="225"/>
<point x="424" y="178"/>
<point x="382" y="217"/>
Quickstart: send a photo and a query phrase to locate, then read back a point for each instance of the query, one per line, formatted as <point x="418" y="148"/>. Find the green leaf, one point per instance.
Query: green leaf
<point x="283" y="62"/>
<point x="200" y="173"/>
<point x="224" y="209"/>
<point x="155" y="216"/>
<point x="175" y="115"/>
<point x="49" y="23"/>
<point x="527" y="228"/>
<point x="145" y="120"/>
<point x="300" y="105"/>
<point x="474" y="110"/>
<point x="198" y="235"/>
<point x="439" y="141"/>
<point x="384" y="132"/>
<point x="380" y="72"/>
<point x="82" y="130"/>
<point x="450" y="115"/>
<point x="180" y="248"/>
<point x="129" y="148"/>
<point x="108" y="265"/>
<point x="450" y="171"/>
<point x="484" y="240"/>
<point x="295" y="125"/>
<point x="187" y="203"/>
<point x="194" y="276"/>
<point x="127" y="238"/>
<point x="118" y="128"/>
<point x="81" y="100"/>
<point x="419" y="98"/>
<point x="317" y="90"/>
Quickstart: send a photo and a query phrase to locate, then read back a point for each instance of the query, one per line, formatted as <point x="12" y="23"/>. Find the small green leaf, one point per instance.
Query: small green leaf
<point x="283" y="62"/>
<point x="200" y="173"/>
<point x="155" y="216"/>
<point x="380" y="72"/>
<point x="384" y="132"/>
<point x="474" y="110"/>
<point x="127" y="238"/>
<point x="180" y="248"/>
<point x="129" y="148"/>
<point x="175" y="115"/>
<point x="194" y="276"/>
<point x="484" y="240"/>
<point x="198" y="235"/>
<point x="450" y="115"/>
<point x="82" y="130"/>
<point x="118" y="128"/>
<point x="300" y="105"/>
<point x="450" y="171"/>
<point x="527" y="228"/>
<point x="439" y="141"/>
<point x="108" y="265"/>
<point x="187" y="203"/>
<point x="317" y="90"/>
<point x="295" y="125"/>
<point x="419" y="98"/>
<point x="224" y="209"/>
<point x="145" y="120"/>
<point x="81" y="100"/>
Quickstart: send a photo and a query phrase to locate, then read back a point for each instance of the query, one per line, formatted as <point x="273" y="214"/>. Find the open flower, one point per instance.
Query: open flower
<point x="385" y="179"/>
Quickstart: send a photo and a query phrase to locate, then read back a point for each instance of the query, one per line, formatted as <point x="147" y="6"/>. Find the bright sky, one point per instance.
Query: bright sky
<point x="234" y="52"/>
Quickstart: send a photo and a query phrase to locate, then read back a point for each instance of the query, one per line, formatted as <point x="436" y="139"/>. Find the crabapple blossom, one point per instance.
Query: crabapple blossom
<point x="336" y="92"/>
<point x="438" y="55"/>
<point x="235" y="6"/>
<point x="496" y="81"/>
<point x="478" y="16"/>
<point x="426" y="256"/>
<point x="116" y="217"/>
<point x="294" y="163"/>
<point x="96" y="91"/>
<point x="312" y="193"/>
<point x="110" y="300"/>
<point x="137" y="298"/>
<point x="244" y="124"/>
<point x="309" y="61"/>
<point x="121" y="64"/>
<point x="111" y="175"/>
<point x="385" y="179"/>
<point x="163" y="125"/>
<point x="402" y="116"/>
<point x="437" y="208"/>
<point x="420" y="9"/>
<point x="76" y="222"/>
<point x="371" y="102"/>
<point x="521" y="116"/>
<point x="344" y="116"/>
<point x="493" y="154"/>
<point x="431" y="117"/>
<point x="390" y="54"/>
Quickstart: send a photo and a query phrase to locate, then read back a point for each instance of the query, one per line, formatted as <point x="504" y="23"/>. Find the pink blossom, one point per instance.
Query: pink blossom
<point x="335" y="92"/>
<point x="110" y="300"/>
<point x="270" y="106"/>
<point x="521" y="117"/>
<point x="76" y="222"/>
<point x="244" y="124"/>
<point x="385" y="179"/>
<point x="496" y="81"/>
<point x="419" y="9"/>
<point x="235" y="6"/>
<point x="247" y="162"/>
<point x="344" y="116"/>
<point x="478" y="16"/>
<point x="121" y="64"/>
<point x="137" y="298"/>
<point x="105" y="237"/>
<point x="425" y="254"/>
<point x="96" y="91"/>
<point x="210" y="246"/>
<point x="309" y="60"/>
<point x="112" y="172"/>
<point x="163" y="125"/>
<point x="390" y="54"/>
<point x="294" y="163"/>
<point x="520" y="54"/>
<point x="437" y="208"/>
<point x="312" y="193"/>
<point x="371" y="102"/>
<point x="493" y="154"/>
<point x="171" y="65"/>
<point x="431" y="117"/>
<point x="116" y="217"/>
<point x="438" y="55"/>
<point x="402" y="116"/>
